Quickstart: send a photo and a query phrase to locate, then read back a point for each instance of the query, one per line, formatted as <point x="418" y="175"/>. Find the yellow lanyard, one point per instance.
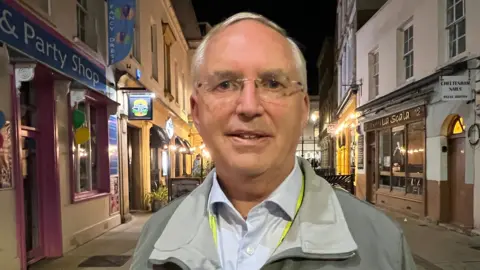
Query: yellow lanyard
<point x="213" y="220"/>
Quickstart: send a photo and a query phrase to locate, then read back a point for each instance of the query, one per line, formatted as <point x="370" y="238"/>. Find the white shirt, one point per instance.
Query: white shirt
<point x="248" y="244"/>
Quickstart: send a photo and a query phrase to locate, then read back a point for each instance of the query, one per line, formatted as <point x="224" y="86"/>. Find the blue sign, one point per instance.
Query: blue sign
<point x="138" y="74"/>
<point x="113" y="145"/>
<point x="38" y="40"/>
<point x="121" y="23"/>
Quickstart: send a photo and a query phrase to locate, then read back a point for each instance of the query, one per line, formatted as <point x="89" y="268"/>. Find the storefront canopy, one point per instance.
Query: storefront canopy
<point x="183" y="144"/>
<point x="158" y="137"/>
<point x="187" y="144"/>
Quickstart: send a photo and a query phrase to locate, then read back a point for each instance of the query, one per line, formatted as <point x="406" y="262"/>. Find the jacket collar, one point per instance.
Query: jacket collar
<point x="285" y="196"/>
<point x="319" y="231"/>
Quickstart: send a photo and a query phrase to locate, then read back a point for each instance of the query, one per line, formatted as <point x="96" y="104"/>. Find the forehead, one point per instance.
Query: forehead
<point x="248" y="47"/>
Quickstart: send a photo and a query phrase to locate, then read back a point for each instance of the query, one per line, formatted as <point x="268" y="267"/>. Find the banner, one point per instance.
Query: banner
<point x="121" y="23"/>
<point x="23" y="32"/>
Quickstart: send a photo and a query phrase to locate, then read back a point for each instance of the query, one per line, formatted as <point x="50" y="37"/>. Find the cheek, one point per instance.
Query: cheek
<point x="286" y="118"/>
<point x="212" y="115"/>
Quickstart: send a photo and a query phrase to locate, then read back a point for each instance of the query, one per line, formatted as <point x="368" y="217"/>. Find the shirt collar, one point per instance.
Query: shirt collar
<point x="285" y="196"/>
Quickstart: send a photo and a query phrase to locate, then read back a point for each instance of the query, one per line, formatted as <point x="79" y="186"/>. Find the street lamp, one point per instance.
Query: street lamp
<point x="314" y="119"/>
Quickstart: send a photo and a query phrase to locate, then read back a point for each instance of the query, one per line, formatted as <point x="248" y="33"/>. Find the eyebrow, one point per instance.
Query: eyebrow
<point x="225" y="74"/>
<point x="273" y="73"/>
<point x="230" y="74"/>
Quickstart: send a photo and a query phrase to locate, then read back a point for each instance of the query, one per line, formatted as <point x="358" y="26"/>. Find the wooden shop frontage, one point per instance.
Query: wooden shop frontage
<point x="395" y="160"/>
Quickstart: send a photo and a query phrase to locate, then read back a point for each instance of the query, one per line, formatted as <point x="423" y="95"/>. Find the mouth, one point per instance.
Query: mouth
<point x="248" y="135"/>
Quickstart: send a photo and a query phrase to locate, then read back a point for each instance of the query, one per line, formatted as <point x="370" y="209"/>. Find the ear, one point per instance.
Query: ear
<point x="195" y="111"/>
<point x="305" y="110"/>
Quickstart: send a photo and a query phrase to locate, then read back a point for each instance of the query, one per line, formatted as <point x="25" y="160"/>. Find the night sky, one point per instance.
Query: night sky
<point x="308" y="22"/>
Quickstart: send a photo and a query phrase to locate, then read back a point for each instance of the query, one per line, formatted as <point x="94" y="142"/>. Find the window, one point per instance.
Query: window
<point x="184" y="95"/>
<point x="344" y="72"/>
<point x="86" y="153"/>
<point x="398" y="157"/>
<point x="43" y="5"/>
<point x="90" y="163"/>
<point x="176" y="82"/>
<point x="350" y="61"/>
<point x="28" y="105"/>
<point x="154" y="45"/>
<point x="384" y="158"/>
<point x="184" y="164"/>
<point x="86" y="25"/>
<point x="408" y="51"/>
<point x="375" y="74"/>
<point x="401" y="158"/>
<point x="456" y="27"/>
<point x="325" y="157"/>
<point x="168" y="79"/>
<point x="415" y="157"/>
<point x="136" y="36"/>
<point x="458" y="126"/>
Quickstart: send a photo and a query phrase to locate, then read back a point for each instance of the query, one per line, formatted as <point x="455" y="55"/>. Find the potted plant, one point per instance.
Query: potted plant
<point x="158" y="198"/>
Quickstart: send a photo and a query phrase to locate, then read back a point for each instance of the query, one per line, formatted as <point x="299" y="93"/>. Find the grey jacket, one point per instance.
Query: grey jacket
<point x="333" y="230"/>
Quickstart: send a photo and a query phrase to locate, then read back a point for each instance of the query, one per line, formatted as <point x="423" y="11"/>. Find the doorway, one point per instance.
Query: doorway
<point x="134" y="168"/>
<point x="31" y="190"/>
<point x="31" y="173"/>
<point x="371" y="168"/>
<point x="461" y="194"/>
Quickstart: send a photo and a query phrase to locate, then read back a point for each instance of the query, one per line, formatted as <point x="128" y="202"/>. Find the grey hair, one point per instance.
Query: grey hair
<point x="199" y="56"/>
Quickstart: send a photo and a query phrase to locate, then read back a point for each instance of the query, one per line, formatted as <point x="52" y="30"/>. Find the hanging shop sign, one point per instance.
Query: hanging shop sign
<point x="121" y="22"/>
<point x="23" y="32"/>
<point x="140" y="107"/>
<point x="112" y="144"/>
<point x="396" y="119"/>
<point x="454" y="88"/>
<point x="169" y="128"/>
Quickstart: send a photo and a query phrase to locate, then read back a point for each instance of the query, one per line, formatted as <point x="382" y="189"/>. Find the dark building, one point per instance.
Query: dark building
<point x="327" y="93"/>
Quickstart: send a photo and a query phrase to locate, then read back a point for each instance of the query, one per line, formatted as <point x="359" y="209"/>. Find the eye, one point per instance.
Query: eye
<point x="272" y="84"/>
<point x="226" y="86"/>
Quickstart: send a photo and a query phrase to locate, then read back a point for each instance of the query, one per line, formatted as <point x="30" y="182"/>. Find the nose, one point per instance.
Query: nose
<point x="248" y="104"/>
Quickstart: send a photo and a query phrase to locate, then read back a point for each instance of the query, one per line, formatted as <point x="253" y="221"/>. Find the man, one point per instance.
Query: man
<point x="262" y="207"/>
<point x="197" y="165"/>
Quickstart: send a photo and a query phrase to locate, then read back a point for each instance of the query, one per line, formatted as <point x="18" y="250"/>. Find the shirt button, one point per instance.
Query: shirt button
<point x="250" y="250"/>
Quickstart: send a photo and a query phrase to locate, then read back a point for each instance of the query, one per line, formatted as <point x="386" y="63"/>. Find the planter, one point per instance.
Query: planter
<point x="157" y="205"/>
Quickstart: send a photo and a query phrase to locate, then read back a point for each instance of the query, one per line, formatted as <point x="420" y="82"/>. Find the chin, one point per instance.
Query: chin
<point x="250" y="165"/>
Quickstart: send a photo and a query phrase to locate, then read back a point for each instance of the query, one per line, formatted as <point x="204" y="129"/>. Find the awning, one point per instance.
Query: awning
<point x="183" y="145"/>
<point x="158" y="137"/>
<point x="187" y="144"/>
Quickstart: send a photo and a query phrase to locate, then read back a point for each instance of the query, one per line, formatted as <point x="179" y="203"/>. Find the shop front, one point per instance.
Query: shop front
<point x="345" y="135"/>
<point x="452" y="155"/>
<point x="327" y="150"/>
<point x="155" y="143"/>
<point x="395" y="160"/>
<point x="57" y="143"/>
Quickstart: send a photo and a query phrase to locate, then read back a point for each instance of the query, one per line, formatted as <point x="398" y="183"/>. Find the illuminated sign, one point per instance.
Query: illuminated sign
<point x="140" y="107"/>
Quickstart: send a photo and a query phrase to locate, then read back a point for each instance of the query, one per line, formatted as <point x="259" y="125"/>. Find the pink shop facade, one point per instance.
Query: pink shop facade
<point x="58" y="142"/>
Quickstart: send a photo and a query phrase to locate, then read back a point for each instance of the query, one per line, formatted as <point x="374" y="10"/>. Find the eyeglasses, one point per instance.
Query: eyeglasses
<point x="273" y="89"/>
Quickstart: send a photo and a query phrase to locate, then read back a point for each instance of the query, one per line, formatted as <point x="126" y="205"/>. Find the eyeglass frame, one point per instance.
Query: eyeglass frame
<point x="258" y="81"/>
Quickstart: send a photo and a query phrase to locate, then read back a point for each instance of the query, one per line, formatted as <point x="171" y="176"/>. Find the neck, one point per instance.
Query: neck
<point x="246" y="191"/>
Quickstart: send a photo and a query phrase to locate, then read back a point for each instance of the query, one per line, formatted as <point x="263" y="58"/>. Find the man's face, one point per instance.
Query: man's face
<point x="249" y="134"/>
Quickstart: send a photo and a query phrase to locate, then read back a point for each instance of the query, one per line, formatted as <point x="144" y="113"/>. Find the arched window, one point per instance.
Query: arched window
<point x="458" y="127"/>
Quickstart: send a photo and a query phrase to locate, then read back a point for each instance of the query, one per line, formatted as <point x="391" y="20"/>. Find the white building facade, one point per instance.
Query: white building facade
<point x="416" y="153"/>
